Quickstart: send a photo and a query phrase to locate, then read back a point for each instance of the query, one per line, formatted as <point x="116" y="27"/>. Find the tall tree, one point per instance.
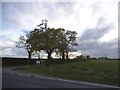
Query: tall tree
<point x="50" y="38"/>
<point x="61" y="40"/>
<point x="71" y="41"/>
<point x="66" y="41"/>
<point x="24" y="43"/>
<point x="44" y="40"/>
<point x="50" y="41"/>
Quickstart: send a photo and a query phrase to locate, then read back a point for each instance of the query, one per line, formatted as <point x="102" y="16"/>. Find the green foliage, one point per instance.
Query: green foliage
<point x="52" y="40"/>
<point x="66" y="40"/>
<point x="24" y="43"/>
<point x="44" y="40"/>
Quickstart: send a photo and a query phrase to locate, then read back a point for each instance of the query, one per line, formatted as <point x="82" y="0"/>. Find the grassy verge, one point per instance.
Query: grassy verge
<point x="100" y="71"/>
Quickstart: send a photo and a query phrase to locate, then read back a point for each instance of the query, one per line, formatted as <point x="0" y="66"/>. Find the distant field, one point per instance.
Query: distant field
<point x="100" y="71"/>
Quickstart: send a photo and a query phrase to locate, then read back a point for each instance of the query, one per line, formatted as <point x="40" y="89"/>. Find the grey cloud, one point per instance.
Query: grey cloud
<point x="13" y="52"/>
<point x="65" y="5"/>
<point x="97" y="32"/>
<point x="87" y="45"/>
<point x="89" y="41"/>
<point x="0" y="14"/>
<point x="52" y="9"/>
<point x="95" y="48"/>
<point x="109" y="49"/>
<point x="96" y="7"/>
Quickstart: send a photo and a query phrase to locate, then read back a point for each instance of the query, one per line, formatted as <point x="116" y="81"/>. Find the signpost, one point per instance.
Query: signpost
<point x="38" y="62"/>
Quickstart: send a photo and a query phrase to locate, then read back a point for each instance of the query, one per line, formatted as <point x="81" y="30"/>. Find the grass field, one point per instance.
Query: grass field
<point x="100" y="71"/>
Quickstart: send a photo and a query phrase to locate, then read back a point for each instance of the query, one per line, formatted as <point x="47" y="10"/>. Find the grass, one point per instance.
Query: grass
<point x="100" y="71"/>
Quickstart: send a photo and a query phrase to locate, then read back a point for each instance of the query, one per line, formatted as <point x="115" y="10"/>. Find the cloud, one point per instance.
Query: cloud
<point x="7" y="52"/>
<point x="8" y="37"/>
<point x="94" y="21"/>
<point x="0" y="16"/>
<point x="94" y="48"/>
<point x="111" y="35"/>
<point x="12" y="52"/>
<point x="89" y="42"/>
<point x="97" y="32"/>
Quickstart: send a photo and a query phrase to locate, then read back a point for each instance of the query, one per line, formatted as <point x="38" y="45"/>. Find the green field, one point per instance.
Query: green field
<point x="100" y="71"/>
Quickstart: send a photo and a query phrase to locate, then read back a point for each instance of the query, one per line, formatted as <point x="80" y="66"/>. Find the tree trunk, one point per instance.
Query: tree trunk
<point x="29" y="55"/>
<point x="66" y="54"/>
<point x="38" y="55"/>
<point x="49" y="54"/>
<point x="63" y="55"/>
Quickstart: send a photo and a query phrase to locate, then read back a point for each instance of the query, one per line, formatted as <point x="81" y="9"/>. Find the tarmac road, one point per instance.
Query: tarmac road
<point x="20" y="80"/>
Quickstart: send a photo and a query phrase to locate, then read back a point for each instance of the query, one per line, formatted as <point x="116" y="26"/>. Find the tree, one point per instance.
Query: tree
<point x="82" y="56"/>
<point x="43" y="25"/>
<point x="48" y="36"/>
<point x="44" y="40"/>
<point x="88" y="56"/>
<point x="71" y="41"/>
<point x="36" y="38"/>
<point x="24" y="43"/>
<point x="49" y="40"/>
<point x="52" y="39"/>
<point x="61" y="40"/>
<point x="66" y="40"/>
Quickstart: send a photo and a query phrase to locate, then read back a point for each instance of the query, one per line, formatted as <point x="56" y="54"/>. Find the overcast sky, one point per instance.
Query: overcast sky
<point x="95" y="21"/>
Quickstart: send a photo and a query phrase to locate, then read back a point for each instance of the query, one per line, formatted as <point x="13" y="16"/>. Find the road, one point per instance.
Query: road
<point x="20" y="80"/>
<point x="0" y="77"/>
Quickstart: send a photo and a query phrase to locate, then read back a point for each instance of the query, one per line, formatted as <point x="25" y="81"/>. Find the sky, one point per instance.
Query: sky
<point x="95" y="21"/>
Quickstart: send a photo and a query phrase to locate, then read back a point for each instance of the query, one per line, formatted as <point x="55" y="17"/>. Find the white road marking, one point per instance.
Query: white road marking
<point x="24" y="75"/>
<point x="78" y="82"/>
